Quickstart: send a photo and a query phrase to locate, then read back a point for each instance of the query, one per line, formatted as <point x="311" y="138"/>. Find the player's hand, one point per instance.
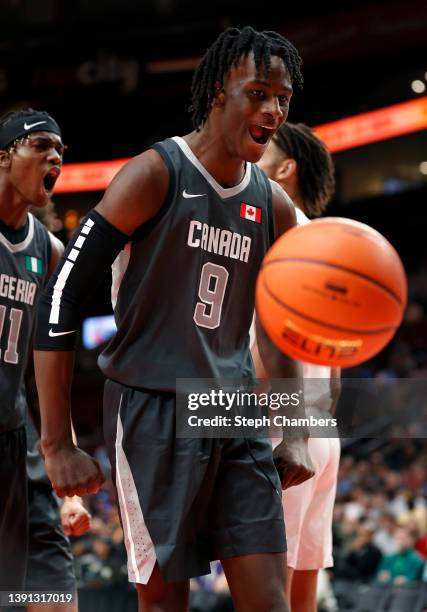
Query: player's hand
<point x="73" y="472"/>
<point x="75" y="519"/>
<point x="293" y="462"/>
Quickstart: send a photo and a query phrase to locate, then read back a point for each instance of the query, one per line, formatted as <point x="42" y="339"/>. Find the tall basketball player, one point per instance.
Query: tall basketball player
<point x="31" y="153"/>
<point x="302" y="165"/>
<point x="192" y="219"/>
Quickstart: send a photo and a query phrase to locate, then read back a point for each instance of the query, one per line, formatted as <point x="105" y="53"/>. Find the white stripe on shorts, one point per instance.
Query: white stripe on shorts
<point x="139" y="546"/>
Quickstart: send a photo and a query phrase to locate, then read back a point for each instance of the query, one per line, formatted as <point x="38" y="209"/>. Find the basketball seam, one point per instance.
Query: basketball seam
<point x="338" y="267"/>
<point x="325" y="323"/>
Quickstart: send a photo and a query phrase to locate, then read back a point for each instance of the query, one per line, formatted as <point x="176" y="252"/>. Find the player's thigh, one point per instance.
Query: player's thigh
<point x="159" y="478"/>
<point x="245" y="513"/>
<point x="257" y="582"/>
<point x="315" y="544"/>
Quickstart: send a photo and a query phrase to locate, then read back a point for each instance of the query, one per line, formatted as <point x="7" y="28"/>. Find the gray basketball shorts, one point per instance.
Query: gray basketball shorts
<point x="50" y="560"/>
<point x="185" y="502"/>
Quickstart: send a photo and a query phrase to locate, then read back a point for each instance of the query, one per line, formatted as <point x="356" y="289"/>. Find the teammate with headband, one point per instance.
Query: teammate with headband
<point x="31" y="151"/>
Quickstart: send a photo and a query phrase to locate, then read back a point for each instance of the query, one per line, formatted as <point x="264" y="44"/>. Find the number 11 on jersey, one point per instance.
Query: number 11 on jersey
<point x="15" y="317"/>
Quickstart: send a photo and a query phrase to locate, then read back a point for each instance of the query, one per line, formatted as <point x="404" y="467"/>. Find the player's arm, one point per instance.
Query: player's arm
<point x="291" y="456"/>
<point x="268" y="360"/>
<point x="135" y="195"/>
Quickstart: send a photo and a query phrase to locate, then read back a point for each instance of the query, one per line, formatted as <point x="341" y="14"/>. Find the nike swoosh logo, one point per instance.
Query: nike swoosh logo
<point x="52" y="334"/>
<point x="28" y="126"/>
<point x="192" y="195"/>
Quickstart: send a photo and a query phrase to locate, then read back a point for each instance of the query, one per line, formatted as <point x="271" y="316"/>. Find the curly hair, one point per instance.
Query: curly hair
<point x="226" y="52"/>
<point x="316" y="178"/>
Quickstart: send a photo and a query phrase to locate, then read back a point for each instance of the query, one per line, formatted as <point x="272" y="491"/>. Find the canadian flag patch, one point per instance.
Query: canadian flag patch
<point x="252" y="213"/>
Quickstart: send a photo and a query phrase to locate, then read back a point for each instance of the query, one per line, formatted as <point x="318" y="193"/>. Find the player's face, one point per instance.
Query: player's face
<point x="36" y="162"/>
<point x="254" y="107"/>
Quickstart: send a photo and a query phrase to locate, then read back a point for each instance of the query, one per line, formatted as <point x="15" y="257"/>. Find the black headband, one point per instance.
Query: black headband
<point x="21" y="125"/>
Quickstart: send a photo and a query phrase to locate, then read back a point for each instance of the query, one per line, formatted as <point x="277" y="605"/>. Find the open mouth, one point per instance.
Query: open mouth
<point x="260" y="134"/>
<point x="50" y="179"/>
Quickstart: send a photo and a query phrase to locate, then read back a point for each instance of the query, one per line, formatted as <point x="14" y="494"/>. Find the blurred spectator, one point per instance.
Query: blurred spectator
<point x="383" y="537"/>
<point x="415" y="512"/>
<point x="421" y="545"/>
<point x="404" y="566"/>
<point x="362" y="559"/>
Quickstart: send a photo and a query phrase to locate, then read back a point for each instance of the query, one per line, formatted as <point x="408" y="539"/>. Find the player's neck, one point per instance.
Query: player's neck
<point x="212" y="153"/>
<point x="13" y="209"/>
<point x="295" y="197"/>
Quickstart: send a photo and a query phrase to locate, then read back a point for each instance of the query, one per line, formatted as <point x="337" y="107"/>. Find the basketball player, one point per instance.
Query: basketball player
<point x="300" y="162"/>
<point x="191" y="219"/>
<point x="31" y="152"/>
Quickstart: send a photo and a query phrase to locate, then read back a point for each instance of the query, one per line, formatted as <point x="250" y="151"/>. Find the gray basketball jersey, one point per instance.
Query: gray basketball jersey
<point x="23" y="274"/>
<point x="185" y="285"/>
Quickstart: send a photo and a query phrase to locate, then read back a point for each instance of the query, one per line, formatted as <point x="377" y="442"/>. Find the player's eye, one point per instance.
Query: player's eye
<point x="284" y="100"/>
<point x="42" y="145"/>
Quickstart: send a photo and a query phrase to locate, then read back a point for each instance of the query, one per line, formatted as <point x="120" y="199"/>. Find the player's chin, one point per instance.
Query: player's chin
<point x="40" y="199"/>
<point x="255" y="150"/>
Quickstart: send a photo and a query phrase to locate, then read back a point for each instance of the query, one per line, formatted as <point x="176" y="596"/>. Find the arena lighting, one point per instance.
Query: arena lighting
<point x="341" y="135"/>
<point x="418" y="86"/>
<point x="374" y="126"/>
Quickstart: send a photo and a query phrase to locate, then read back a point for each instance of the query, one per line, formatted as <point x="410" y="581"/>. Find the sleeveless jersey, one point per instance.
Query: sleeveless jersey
<point x="185" y="285"/>
<point x="23" y="274"/>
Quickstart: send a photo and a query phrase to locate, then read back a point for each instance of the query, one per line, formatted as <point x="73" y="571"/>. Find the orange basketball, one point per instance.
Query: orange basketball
<point x="331" y="292"/>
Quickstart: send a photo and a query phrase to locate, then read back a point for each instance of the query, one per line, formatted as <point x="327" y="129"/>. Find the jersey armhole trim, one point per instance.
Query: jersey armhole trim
<point x="271" y="224"/>
<point x="146" y="228"/>
<point x="49" y="251"/>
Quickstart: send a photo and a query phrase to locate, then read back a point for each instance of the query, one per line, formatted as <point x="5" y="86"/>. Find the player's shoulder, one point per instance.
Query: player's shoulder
<point x="280" y="197"/>
<point x="148" y="165"/>
<point x="136" y="193"/>
<point x="144" y="176"/>
<point x="57" y="245"/>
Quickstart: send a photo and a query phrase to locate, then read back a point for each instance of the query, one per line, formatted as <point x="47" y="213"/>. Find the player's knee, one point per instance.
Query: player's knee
<point x="157" y="590"/>
<point x="277" y="604"/>
<point x="153" y="592"/>
<point x="270" y="599"/>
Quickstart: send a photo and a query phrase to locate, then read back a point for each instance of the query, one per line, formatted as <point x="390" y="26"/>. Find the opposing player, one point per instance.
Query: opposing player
<point x="30" y="161"/>
<point x="192" y="219"/>
<point x="31" y="153"/>
<point x="302" y="165"/>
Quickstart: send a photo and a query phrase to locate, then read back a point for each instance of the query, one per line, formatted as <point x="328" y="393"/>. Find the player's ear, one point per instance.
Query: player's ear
<point x="5" y="159"/>
<point x="286" y="170"/>
<point x="219" y="95"/>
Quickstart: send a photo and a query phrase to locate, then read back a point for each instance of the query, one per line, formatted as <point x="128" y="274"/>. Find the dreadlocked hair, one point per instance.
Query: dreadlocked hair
<point x="316" y="179"/>
<point x="226" y="52"/>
